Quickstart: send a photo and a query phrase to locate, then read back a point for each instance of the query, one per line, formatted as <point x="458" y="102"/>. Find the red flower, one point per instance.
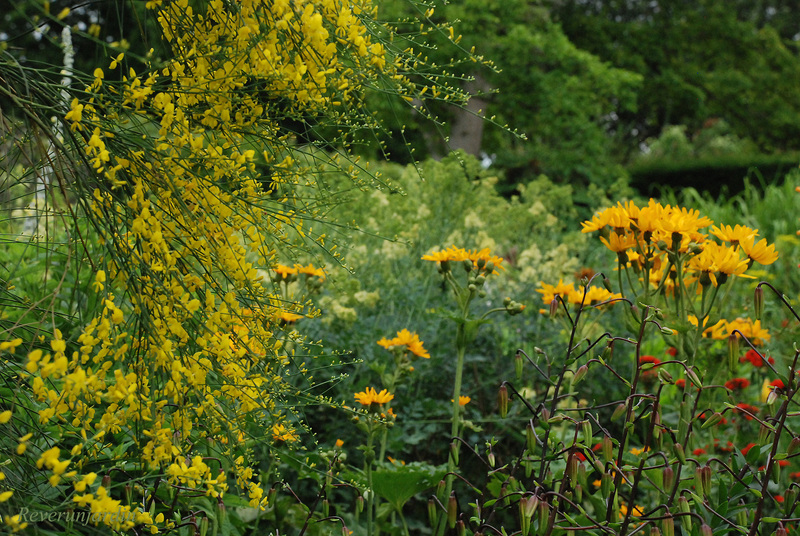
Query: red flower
<point x="649" y="359"/>
<point x="777" y="383"/>
<point x="783" y="463"/>
<point x="672" y="351"/>
<point x="580" y="456"/>
<point x="755" y="359"/>
<point x="726" y="448"/>
<point x="680" y="383"/>
<point x="779" y="498"/>
<point x="795" y="476"/>
<point x="747" y="448"/>
<point x="698" y="452"/>
<point x="737" y="383"/>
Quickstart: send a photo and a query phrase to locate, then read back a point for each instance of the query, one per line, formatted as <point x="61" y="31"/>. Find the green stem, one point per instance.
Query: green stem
<point x="461" y="347"/>
<point x="368" y="461"/>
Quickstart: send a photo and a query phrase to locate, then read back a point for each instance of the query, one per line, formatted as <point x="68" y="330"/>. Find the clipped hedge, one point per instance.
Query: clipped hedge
<point x="711" y="174"/>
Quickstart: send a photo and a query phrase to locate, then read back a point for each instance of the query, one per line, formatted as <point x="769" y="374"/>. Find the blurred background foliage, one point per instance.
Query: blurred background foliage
<point x="596" y="96"/>
<point x="597" y="88"/>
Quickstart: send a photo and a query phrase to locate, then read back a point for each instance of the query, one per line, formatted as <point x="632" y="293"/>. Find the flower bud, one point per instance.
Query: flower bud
<point x="705" y="479"/>
<point x="742" y="517"/>
<point x="586" y="430"/>
<point x="359" y="504"/>
<point x="758" y="301"/>
<point x="606" y="482"/>
<point x="794" y="445"/>
<point x="527" y="507"/>
<point x="433" y="512"/>
<point x="580" y="374"/>
<point x="489" y="267"/>
<point x="467" y="264"/>
<point x="686" y="520"/>
<point x="452" y="509"/>
<point x="668" y="526"/>
<point x="481" y="263"/>
<point x="694" y="377"/>
<point x="461" y="529"/>
<point x="444" y="267"/>
<point x="705" y="530"/>
<point x="733" y="350"/>
<point x="502" y="400"/>
<point x="665" y="376"/>
<point x="607" y="283"/>
<point x="607" y="448"/>
<point x="518" y="365"/>
<point x="544" y="514"/>
<point x="789" y="500"/>
<point x="781" y="531"/>
<point x="668" y="477"/>
<point x="679" y="452"/>
<point x="572" y="467"/>
<point x="619" y="411"/>
<point x="763" y="434"/>
<point x="545" y="414"/>
<point x="222" y="512"/>
<point x="454" y="452"/>
<point x="530" y="437"/>
<point x="440" y="488"/>
<point x="654" y="531"/>
<point x="345" y="530"/>
<point x="326" y="507"/>
<point x="554" y="307"/>
<point x="772" y="396"/>
<point x="715" y="418"/>
<point x="608" y="352"/>
<point x="559" y="418"/>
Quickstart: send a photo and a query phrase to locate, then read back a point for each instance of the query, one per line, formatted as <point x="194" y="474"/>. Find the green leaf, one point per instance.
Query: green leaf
<point x="398" y="483"/>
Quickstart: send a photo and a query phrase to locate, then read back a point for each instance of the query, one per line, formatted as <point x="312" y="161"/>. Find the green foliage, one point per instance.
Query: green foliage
<point x="538" y="84"/>
<point x="561" y="98"/>
<point x="436" y="205"/>
<point x="699" y="60"/>
<point x="716" y="175"/>
<point x="397" y="483"/>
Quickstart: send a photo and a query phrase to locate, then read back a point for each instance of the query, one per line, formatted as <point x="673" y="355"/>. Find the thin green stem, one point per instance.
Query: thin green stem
<point x="368" y="461"/>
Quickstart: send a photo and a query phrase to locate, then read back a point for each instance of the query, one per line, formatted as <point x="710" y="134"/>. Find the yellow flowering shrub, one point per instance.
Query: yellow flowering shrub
<point x="187" y="185"/>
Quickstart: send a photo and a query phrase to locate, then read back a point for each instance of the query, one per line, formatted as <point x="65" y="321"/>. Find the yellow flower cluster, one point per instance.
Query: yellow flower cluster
<point x="589" y="296"/>
<point x="369" y="397"/>
<point x="479" y="258"/>
<point x="408" y="340"/>
<point x="186" y="350"/>
<point x="751" y="329"/>
<point x="660" y="240"/>
<point x="285" y="272"/>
